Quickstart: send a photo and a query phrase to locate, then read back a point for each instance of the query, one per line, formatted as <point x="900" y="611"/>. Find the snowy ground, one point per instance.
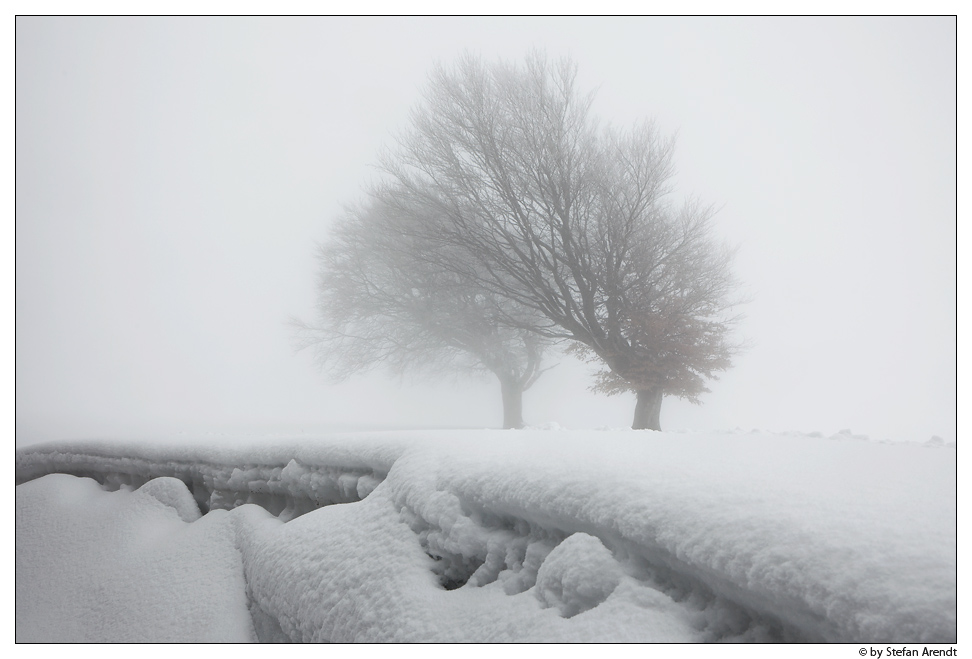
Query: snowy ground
<point x="534" y="535"/>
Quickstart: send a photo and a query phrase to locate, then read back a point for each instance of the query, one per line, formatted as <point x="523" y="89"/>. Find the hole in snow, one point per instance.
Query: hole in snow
<point x="453" y="570"/>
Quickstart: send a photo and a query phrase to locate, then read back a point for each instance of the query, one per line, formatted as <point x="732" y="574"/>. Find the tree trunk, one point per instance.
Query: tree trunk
<point x="647" y="410"/>
<point x="512" y="390"/>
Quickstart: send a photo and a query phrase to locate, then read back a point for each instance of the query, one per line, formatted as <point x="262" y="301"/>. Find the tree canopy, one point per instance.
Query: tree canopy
<point x="527" y="197"/>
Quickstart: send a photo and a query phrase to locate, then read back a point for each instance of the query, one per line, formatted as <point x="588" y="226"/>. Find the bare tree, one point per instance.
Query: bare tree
<point x="522" y="195"/>
<point x="382" y="302"/>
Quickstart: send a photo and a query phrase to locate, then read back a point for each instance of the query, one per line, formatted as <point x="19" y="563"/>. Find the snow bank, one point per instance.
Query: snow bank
<point x="552" y="534"/>
<point x="96" y="566"/>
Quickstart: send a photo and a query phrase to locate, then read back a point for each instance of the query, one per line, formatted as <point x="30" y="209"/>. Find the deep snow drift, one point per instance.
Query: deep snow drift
<point x="535" y="535"/>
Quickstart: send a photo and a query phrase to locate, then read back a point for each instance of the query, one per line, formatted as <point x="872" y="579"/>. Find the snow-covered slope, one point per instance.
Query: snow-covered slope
<point x="505" y="536"/>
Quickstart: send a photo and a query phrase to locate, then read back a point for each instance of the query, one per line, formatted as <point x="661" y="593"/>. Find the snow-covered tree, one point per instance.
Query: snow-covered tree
<point x="518" y="193"/>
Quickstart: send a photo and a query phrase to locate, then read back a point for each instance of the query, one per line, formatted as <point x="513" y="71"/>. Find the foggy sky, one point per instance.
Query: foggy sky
<point x="174" y="176"/>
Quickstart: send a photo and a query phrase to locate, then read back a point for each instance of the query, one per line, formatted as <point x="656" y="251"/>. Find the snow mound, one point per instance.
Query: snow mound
<point x="173" y="492"/>
<point x="846" y="435"/>
<point x="97" y="566"/>
<point x="577" y="575"/>
<point x="549" y="425"/>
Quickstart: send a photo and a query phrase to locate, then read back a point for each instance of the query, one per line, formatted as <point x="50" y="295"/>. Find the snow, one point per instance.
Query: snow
<point x="173" y="493"/>
<point x="542" y="534"/>
<point x="577" y="575"/>
<point x="97" y="566"/>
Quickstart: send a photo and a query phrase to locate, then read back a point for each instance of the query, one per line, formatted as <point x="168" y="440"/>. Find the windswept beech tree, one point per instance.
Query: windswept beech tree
<point x="383" y="302"/>
<point x="517" y="194"/>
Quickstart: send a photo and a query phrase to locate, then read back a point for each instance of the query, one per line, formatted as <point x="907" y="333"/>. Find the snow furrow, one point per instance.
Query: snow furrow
<point x="475" y="546"/>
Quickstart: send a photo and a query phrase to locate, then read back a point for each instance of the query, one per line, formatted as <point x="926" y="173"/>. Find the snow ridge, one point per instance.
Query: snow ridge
<point x="286" y="491"/>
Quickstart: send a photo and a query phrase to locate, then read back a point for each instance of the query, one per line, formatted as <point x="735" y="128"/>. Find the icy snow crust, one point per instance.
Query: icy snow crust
<point x="535" y="535"/>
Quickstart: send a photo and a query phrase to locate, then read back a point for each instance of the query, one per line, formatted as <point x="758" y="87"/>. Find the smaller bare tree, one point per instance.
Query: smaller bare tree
<point x="383" y="301"/>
